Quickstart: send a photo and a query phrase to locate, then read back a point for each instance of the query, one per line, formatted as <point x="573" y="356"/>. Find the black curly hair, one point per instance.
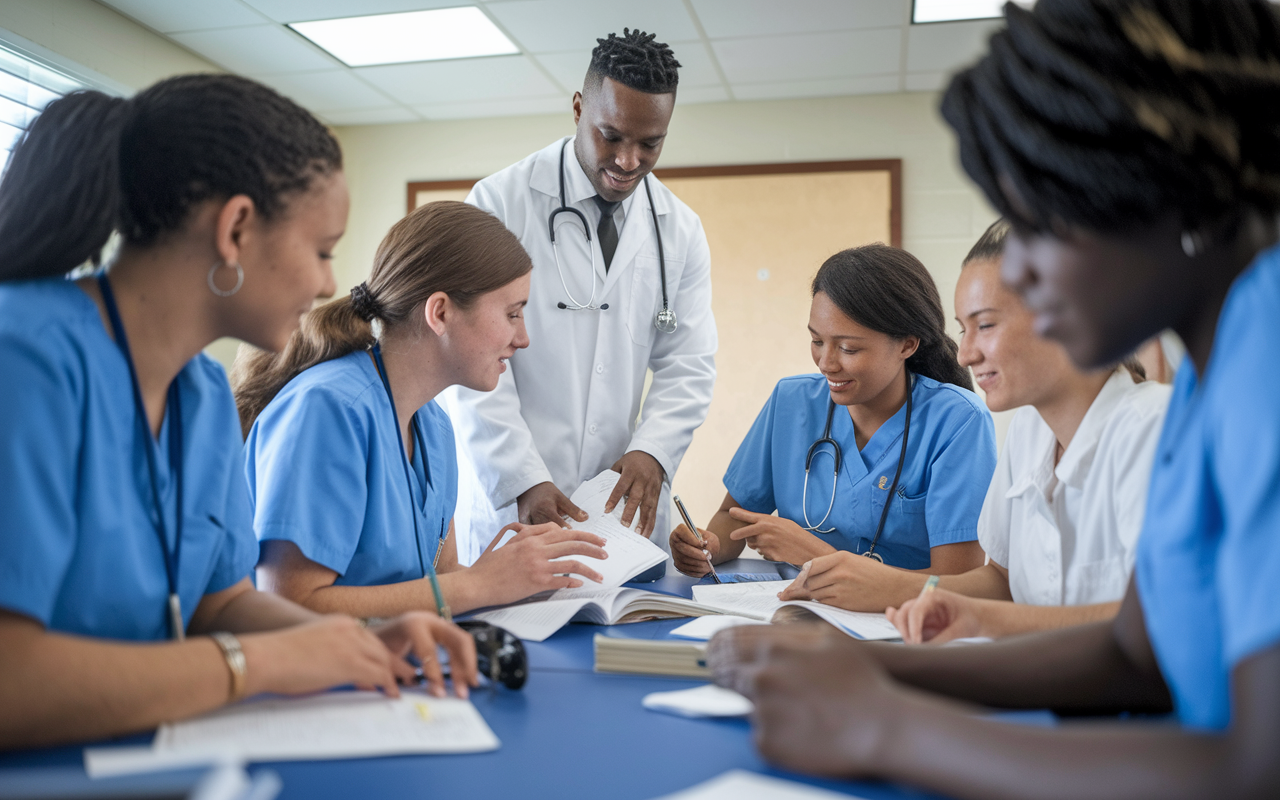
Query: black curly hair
<point x="1106" y="114"/>
<point x="92" y="164"/>
<point x="635" y="60"/>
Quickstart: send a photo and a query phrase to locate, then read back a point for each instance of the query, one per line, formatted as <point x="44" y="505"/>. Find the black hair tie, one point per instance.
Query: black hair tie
<point x="363" y="303"/>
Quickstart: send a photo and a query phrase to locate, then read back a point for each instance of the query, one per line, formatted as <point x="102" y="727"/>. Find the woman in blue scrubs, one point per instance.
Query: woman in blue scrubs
<point x="126" y="543"/>
<point x="878" y="338"/>
<point x="1152" y="204"/>
<point x="351" y="462"/>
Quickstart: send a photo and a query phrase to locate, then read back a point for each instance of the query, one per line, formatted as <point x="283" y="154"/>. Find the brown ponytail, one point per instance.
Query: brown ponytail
<point x="445" y="246"/>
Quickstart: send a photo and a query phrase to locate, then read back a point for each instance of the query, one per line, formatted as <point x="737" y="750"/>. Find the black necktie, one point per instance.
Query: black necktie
<point x="606" y="231"/>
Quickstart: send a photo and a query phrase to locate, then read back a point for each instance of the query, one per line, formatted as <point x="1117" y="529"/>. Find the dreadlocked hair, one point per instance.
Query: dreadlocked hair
<point x="1105" y="114"/>
<point x="93" y="164"/>
<point x="889" y="291"/>
<point x="636" y="61"/>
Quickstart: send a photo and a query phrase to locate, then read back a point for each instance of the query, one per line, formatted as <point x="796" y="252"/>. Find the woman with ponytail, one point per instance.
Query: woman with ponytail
<point x="888" y="375"/>
<point x="351" y="462"/>
<point x="126" y="541"/>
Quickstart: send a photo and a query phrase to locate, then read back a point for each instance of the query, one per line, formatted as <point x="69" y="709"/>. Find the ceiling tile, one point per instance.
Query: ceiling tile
<point x="464" y="80"/>
<point x="946" y="46"/>
<point x="330" y="90"/>
<point x="551" y="26"/>
<point x="734" y="18"/>
<point x="307" y="10"/>
<point x="926" y="81"/>
<point x="692" y="95"/>
<point x="257" y="50"/>
<point x="811" y="56"/>
<point x="514" y="107"/>
<point x="167" y="16"/>
<point x="696" y="67"/>
<point x="787" y="90"/>
<point x="371" y="116"/>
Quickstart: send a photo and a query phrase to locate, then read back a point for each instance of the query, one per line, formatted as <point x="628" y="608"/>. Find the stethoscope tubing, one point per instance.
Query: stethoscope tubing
<point x="837" y="455"/>
<point x="665" y="320"/>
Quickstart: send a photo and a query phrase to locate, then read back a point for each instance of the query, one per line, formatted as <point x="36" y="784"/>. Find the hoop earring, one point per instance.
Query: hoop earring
<point x="1193" y="243"/>
<point x="213" y="287"/>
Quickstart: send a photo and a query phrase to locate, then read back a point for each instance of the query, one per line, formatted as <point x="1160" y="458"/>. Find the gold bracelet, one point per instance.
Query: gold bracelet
<point x="231" y="651"/>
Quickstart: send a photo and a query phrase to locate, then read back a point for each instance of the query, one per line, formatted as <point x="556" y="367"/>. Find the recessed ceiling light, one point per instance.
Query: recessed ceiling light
<point x="953" y="10"/>
<point x="412" y="36"/>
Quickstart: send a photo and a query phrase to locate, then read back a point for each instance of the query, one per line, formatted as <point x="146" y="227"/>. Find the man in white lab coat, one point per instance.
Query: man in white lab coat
<point x="571" y="404"/>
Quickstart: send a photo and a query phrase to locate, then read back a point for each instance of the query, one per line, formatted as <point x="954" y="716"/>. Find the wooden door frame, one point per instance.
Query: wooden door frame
<point x="891" y="165"/>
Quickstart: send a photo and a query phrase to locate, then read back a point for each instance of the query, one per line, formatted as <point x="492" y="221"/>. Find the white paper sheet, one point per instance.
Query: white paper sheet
<point x="537" y="620"/>
<point x="701" y="701"/>
<point x="704" y="628"/>
<point x="739" y="784"/>
<point x="326" y="726"/>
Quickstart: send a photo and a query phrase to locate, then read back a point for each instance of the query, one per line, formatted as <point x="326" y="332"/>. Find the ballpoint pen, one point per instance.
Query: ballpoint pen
<point x="688" y="523"/>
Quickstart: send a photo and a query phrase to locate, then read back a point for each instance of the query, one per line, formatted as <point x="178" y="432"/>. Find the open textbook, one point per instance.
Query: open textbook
<point x="606" y="603"/>
<point x="760" y="601"/>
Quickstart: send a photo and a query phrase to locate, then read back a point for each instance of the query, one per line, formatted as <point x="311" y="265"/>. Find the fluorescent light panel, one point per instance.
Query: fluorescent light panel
<point x="431" y="35"/>
<point x="953" y="10"/>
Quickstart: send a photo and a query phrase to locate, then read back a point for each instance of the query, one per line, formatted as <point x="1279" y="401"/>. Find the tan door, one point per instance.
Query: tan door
<point x="768" y="235"/>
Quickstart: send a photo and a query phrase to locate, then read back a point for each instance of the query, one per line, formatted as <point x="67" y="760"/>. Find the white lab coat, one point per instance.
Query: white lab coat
<point x="1068" y="534"/>
<point x="569" y="405"/>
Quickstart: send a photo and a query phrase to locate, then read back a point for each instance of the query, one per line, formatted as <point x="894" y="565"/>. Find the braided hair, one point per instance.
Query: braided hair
<point x="889" y="291"/>
<point x="1107" y="114"/>
<point x="635" y="60"/>
<point x="93" y="164"/>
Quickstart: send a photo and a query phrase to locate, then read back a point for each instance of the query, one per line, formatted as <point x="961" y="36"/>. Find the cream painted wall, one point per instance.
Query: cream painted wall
<point x="97" y="37"/>
<point x="943" y="214"/>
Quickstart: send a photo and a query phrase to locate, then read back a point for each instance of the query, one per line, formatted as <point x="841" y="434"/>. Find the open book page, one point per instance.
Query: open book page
<point x="324" y="726"/>
<point x="536" y="620"/>
<point x="629" y="553"/>
<point x="752" y="600"/>
<point x="760" y="601"/>
<point x="858" y="624"/>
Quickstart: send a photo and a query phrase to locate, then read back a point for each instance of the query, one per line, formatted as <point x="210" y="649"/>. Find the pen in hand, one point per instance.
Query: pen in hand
<point x="688" y="523"/>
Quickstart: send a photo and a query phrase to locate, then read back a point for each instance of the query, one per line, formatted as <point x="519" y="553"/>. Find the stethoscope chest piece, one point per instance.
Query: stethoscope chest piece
<point x="665" y="321"/>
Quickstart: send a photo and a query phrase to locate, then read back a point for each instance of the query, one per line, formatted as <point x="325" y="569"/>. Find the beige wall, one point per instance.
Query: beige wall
<point x="942" y="213"/>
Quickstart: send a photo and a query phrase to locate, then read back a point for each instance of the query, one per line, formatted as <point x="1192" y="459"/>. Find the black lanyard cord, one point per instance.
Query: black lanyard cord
<point x="172" y="557"/>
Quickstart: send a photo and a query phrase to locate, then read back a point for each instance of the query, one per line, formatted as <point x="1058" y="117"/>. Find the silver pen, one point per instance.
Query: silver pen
<point x="688" y="523"/>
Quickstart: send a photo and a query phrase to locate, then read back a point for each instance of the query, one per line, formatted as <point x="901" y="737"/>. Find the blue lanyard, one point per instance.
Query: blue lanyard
<point x="174" y="410"/>
<point x="427" y="572"/>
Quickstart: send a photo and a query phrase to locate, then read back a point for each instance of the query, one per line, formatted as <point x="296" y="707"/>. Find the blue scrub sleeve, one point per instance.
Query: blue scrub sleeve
<point x="958" y="480"/>
<point x="309" y="461"/>
<point x="1246" y="469"/>
<point x="749" y="479"/>
<point x="38" y="471"/>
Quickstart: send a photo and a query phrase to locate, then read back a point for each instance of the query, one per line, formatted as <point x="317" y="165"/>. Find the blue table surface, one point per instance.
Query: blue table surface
<point x="570" y="733"/>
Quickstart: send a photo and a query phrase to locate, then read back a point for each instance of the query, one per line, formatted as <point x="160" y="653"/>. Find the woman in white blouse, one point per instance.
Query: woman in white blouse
<point x="1061" y="517"/>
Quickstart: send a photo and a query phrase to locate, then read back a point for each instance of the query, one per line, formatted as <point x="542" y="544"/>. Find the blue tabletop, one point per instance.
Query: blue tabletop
<point x="570" y="733"/>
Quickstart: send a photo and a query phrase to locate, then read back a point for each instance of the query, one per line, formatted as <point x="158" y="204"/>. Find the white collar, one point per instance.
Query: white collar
<point x="545" y="178"/>
<point x="1073" y="467"/>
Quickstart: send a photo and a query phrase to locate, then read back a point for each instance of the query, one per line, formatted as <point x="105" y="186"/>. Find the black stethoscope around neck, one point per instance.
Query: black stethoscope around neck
<point x="837" y="456"/>
<point x="665" y="319"/>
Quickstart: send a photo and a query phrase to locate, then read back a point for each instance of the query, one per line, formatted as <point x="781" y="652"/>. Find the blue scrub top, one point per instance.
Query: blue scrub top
<point x="78" y="544"/>
<point x="326" y="473"/>
<point x="1208" y="559"/>
<point x="951" y="456"/>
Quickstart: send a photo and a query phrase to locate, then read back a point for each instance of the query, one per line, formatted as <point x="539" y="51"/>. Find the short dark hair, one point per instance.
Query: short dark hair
<point x="1108" y="115"/>
<point x="92" y="164"/>
<point x="889" y="291"/>
<point x="636" y="61"/>
<point x="990" y="246"/>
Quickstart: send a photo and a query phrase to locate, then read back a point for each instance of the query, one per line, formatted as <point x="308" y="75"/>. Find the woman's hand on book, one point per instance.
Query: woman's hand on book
<point x="537" y="559"/>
